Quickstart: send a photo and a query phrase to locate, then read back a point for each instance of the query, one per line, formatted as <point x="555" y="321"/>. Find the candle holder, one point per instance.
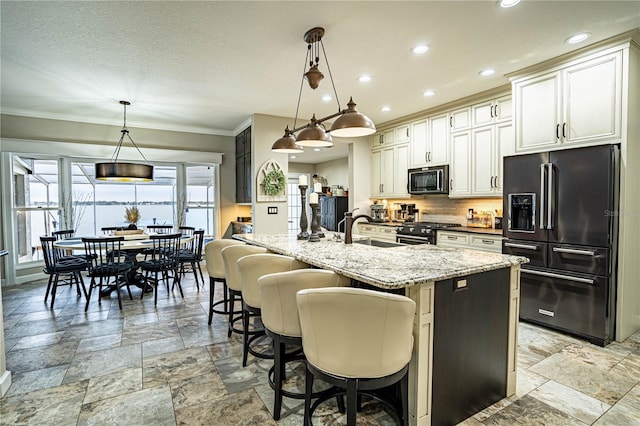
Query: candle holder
<point x="303" y="234"/>
<point x="314" y="237"/>
<point x="319" y="219"/>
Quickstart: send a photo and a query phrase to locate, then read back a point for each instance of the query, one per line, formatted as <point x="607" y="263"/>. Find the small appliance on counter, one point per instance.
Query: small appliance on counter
<point x="407" y="213"/>
<point x="379" y="212"/>
<point x="479" y="220"/>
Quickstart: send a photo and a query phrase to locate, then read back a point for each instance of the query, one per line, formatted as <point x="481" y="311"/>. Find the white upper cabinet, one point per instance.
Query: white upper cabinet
<point x="491" y="111"/>
<point x="579" y="104"/>
<point x="389" y="167"/>
<point x="490" y="144"/>
<point x="402" y="134"/>
<point x="429" y="142"/>
<point x="460" y="119"/>
<point x="460" y="169"/>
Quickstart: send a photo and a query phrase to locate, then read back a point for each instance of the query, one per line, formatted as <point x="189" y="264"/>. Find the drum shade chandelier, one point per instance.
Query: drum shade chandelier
<point x="349" y="123"/>
<point x="115" y="171"/>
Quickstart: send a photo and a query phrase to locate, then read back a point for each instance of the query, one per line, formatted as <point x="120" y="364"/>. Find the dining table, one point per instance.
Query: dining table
<point x="132" y="246"/>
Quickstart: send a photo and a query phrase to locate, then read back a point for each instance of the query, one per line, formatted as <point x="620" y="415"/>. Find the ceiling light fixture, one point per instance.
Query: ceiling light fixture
<point x="364" y="78"/>
<point x="508" y="3"/>
<point x="420" y="49"/>
<point x="349" y="122"/>
<point x="385" y="108"/>
<point x="115" y="171"/>
<point x="577" y="38"/>
<point x="428" y="93"/>
<point x="487" y="72"/>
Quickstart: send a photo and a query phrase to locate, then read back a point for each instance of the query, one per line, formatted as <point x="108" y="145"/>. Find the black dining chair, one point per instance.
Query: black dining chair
<point x="192" y="255"/>
<point x="160" y="229"/>
<point x="163" y="264"/>
<point x="108" y="230"/>
<point x="187" y="230"/>
<point x="107" y="261"/>
<point x="55" y="267"/>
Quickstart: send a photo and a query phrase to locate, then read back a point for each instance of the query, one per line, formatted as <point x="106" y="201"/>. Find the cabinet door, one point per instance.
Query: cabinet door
<point x="388" y="137"/>
<point x="240" y="178"/>
<point x="247" y="178"/>
<point x="388" y="154"/>
<point x="482" y="113"/>
<point x="418" y="145"/>
<point x="537" y="112"/>
<point x="505" y="145"/>
<point x="403" y="133"/>
<point x="460" y="119"/>
<point x="592" y="100"/>
<point x="503" y="108"/>
<point x="483" y="160"/>
<point x="438" y="140"/>
<point x="400" y="170"/>
<point x="376" y="172"/>
<point x="460" y="183"/>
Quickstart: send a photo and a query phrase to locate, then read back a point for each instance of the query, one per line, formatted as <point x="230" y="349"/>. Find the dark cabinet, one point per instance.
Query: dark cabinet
<point x="332" y="211"/>
<point x="243" y="166"/>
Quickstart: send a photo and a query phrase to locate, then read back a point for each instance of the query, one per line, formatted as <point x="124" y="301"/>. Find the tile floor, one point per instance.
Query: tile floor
<point x="165" y="365"/>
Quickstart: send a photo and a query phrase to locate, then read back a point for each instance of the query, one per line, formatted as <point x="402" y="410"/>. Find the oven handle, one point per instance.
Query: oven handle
<point x="561" y="276"/>
<point x="408" y="239"/>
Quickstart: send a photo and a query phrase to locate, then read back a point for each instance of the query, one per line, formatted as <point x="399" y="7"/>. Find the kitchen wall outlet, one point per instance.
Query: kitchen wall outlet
<point x="272" y="210"/>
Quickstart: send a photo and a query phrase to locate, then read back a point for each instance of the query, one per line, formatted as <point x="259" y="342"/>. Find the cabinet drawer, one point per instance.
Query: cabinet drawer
<point x="457" y="239"/>
<point x="387" y="233"/>
<point x="367" y="229"/>
<point x="486" y="243"/>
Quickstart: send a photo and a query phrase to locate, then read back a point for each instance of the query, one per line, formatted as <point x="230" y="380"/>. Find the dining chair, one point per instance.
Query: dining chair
<point x="54" y="267"/>
<point x="108" y="230"/>
<point x="107" y="261"/>
<point x="191" y="254"/>
<point x="160" y="229"/>
<point x="187" y="230"/>
<point x="163" y="264"/>
<point x="359" y="341"/>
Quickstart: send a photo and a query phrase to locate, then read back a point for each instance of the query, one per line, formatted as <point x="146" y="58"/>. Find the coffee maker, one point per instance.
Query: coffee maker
<point x="379" y="213"/>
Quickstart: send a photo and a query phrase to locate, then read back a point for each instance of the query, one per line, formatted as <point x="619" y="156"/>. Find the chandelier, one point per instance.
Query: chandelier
<point x="115" y="171"/>
<point x="349" y="122"/>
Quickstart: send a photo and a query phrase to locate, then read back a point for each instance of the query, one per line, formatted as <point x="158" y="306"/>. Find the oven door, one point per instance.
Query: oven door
<point x="413" y="240"/>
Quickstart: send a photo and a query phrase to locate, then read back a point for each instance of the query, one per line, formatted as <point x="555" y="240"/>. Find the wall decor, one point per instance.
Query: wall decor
<point x="271" y="182"/>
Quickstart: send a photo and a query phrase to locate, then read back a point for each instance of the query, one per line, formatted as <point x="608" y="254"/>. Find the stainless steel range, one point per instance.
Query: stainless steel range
<point x="420" y="232"/>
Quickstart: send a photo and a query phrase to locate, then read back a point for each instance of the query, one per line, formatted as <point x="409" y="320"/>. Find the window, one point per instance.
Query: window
<point x="36" y="208"/>
<point x="200" y="203"/>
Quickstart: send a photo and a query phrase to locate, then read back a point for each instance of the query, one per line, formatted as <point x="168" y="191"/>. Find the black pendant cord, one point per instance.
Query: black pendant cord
<point x="125" y="131"/>
<point x="335" y="92"/>
<point x="307" y="55"/>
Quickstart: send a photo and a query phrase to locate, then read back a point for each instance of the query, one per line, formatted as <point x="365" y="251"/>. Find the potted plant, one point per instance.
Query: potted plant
<point x="132" y="216"/>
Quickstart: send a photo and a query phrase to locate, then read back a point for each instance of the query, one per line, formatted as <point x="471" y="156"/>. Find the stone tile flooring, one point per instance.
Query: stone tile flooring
<point x="165" y="365"/>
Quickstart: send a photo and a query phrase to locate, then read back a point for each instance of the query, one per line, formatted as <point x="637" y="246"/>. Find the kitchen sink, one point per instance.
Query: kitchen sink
<point x="378" y="243"/>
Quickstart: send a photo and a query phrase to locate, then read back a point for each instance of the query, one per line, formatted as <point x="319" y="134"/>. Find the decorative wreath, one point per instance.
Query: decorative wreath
<point x="274" y="182"/>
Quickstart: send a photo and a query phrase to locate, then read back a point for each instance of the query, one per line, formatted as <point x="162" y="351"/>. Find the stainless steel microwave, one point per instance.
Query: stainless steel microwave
<point x="429" y="180"/>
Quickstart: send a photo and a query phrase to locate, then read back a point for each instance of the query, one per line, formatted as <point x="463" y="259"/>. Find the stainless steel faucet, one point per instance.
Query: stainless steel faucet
<point x="350" y="219"/>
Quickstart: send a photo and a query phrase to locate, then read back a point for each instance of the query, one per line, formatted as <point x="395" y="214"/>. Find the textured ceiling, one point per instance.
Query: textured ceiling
<point x="207" y="66"/>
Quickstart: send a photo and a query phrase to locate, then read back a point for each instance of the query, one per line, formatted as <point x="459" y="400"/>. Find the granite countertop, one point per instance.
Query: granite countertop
<point x="394" y="267"/>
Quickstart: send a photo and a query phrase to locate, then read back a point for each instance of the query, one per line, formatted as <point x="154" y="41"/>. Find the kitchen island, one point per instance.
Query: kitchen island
<point x="465" y="331"/>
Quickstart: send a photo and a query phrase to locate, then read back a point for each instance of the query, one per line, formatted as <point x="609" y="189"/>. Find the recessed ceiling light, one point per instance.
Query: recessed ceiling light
<point x="316" y="149"/>
<point x="487" y="72"/>
<point x="293" y="157"/>
<point x="420" y="49"/>
<point x="364" y="78"/>
<point x="385" y="108"/>
<point x="326" y="98"/>
<point x="508" y="3"/>
<point x="429" y="93"/>
<point x="577" y="38"/>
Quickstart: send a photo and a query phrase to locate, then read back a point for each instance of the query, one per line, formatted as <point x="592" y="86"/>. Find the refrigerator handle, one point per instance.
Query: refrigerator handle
<point x="542" y="212"/>
<point x="550" y="197"/>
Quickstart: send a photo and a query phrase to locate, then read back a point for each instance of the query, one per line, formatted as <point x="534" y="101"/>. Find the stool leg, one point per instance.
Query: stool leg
<point x="211" y="290"/>
<point x="404" y="399"/>
<point x="308" y="390"/>
<point x="352" y="402"/>
<point x="278" y="376"/>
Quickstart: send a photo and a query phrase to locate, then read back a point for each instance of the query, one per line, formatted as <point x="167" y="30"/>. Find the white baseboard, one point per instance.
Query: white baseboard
<point x="5" y="383"/>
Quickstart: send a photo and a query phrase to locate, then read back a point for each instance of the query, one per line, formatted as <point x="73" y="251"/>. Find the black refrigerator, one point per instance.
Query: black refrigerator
<point x="561" y="209"/>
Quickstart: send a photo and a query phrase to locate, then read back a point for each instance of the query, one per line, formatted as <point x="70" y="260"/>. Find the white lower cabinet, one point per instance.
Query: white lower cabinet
<point x="470" y="240"/>
<point x="377" y="232"/>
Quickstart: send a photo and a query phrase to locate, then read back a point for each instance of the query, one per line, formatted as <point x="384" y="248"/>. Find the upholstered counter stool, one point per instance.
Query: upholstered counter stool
<point x="215" y="270"/>
<point x="280" y="318"/>
<point x="358" y="340"/>
<point x="250" y="268"/>
<point x="230" y="256"/>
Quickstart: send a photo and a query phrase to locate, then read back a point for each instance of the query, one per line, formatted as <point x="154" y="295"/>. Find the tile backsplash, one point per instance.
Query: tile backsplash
<point x="441" y="208"/>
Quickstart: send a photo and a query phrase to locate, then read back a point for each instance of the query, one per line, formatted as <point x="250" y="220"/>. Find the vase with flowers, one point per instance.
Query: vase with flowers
<point x="132" y="216"/>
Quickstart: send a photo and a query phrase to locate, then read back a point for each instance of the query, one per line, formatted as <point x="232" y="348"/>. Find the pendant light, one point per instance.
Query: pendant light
<point x="350" y="122"/>
<point x="115" y="171"/>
